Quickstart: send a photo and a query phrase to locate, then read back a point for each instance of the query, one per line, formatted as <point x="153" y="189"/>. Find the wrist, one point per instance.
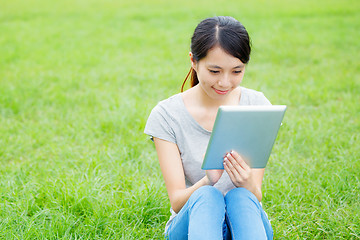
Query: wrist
<point x="256" y="191"/>
<point x="251" y="187"/>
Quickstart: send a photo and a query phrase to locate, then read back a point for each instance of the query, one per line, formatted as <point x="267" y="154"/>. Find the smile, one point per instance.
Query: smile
<point x="220" y="92"/>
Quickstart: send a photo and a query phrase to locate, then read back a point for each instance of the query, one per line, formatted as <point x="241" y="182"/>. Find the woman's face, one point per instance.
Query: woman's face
<point x="219" y="72"/>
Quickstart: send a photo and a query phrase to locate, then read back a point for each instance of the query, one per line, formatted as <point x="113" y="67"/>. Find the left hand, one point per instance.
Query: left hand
<point x="239" y="171"/>
<point x="213" y="175"/>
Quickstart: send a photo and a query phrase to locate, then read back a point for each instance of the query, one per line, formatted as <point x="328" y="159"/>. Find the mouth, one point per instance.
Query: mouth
<point x="221" y="92"/>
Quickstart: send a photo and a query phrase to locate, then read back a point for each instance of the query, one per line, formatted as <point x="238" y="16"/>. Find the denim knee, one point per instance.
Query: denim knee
<point x="241" y="201"/>
<point x="209" y="195"/>
<point x="243" y="196"/>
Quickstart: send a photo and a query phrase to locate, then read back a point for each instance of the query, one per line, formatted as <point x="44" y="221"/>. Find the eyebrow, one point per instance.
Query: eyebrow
<point x="218" y="67"/>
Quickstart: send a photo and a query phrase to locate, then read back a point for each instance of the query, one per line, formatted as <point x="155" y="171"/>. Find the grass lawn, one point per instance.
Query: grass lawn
<point x="79" y="78"/>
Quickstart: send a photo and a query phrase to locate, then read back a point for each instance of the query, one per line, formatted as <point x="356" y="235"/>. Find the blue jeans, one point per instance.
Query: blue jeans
<point x="209" y="215"/>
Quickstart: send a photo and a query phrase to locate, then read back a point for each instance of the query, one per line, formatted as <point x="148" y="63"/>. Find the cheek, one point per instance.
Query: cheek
<point x="238" y="79"/>
<point x="205" y="77"/>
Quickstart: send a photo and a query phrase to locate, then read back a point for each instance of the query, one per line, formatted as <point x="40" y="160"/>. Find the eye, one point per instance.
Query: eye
<point x="238" y="72"/>
<point x="214" y="71"/>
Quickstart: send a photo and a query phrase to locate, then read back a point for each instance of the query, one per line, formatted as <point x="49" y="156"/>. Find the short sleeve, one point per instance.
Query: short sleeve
<point x="159" y="125"/>
<point x="262" y="100"/>
<point x="252" y="97"/>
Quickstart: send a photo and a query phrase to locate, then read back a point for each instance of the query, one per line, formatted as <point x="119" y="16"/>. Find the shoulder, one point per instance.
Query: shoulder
<point x="169" y="106"/>
<point x="252" y="97"/>
<point x="161" y="122"/>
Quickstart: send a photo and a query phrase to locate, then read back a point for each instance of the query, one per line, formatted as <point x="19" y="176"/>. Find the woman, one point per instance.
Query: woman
<point x="211" y="204"/>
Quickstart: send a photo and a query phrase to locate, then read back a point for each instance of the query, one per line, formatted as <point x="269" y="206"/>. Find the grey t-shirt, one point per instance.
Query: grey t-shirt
<point x="171" y="121"/>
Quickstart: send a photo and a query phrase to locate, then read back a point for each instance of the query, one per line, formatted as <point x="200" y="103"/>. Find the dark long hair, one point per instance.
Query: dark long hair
<point x="227" y="32"/>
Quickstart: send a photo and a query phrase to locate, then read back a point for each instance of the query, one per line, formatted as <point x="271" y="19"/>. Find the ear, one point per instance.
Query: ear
<point x="193" y="62"/>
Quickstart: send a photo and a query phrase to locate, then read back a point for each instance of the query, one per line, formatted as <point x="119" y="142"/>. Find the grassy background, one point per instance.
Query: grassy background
<point x="79" y="78"/>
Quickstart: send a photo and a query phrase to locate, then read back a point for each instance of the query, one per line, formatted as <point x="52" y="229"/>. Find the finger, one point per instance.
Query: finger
<point x="243" y="173"/>
<point x="234" y="175"/>
<point x="237" y="172"/>
<point x="240" y="160"/>
<point x="229" y="171"/>
<point x="234" y="163"/>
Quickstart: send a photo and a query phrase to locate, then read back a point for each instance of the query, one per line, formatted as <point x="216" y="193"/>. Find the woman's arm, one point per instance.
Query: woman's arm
<point x="173" y="173"/>
<point x="258" y="175"/>
<point x="242" y="175"/>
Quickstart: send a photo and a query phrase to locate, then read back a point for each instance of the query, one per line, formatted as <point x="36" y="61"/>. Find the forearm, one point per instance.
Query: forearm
<point x="179" y="197"/>
<point x="257" y="192"/>
<point x="255" y="189"/>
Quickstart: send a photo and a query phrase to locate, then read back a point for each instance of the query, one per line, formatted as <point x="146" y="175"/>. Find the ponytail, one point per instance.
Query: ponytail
<point x="194" y="80"/>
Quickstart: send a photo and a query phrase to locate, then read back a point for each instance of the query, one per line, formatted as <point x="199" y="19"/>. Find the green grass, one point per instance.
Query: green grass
<point x="79" y="78"/>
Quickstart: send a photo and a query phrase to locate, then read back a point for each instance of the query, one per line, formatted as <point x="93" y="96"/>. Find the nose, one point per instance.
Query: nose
<point x="224" y="81"/>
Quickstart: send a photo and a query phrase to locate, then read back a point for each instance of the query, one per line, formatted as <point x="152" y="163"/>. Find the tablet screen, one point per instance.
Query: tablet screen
<point x="249" y="130"/>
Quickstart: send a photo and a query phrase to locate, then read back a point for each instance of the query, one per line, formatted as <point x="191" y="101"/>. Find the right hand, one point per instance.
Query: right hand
<point x="214" y="175"/>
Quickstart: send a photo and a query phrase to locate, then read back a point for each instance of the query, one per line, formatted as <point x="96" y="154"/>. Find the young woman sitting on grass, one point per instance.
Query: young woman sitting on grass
<point x="211" y="204"/>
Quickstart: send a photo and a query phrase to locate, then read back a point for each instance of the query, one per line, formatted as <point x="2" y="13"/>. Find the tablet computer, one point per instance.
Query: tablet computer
<point x="249" y="130"/>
